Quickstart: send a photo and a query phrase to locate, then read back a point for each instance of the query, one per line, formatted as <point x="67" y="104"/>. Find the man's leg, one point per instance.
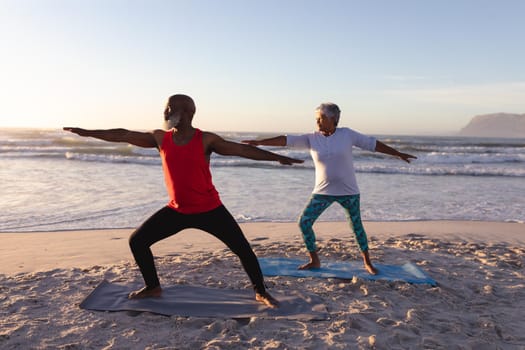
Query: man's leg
<point x="351" y="204"/>
<point x="315" y="207"/>
<point x="162" y="224"/>
<point x="221" y="224"/>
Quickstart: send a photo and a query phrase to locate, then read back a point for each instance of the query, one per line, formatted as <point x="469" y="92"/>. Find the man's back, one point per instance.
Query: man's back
<point x="187" y="175"/>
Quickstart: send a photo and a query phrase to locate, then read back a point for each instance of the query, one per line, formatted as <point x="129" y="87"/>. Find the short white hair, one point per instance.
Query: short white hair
<point x="331" y="110"/>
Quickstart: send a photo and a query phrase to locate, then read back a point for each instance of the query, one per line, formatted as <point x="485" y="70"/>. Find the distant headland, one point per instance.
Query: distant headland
<point x="496" y="125"/>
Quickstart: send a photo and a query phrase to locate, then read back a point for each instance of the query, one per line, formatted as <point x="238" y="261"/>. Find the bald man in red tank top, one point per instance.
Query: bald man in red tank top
<point x="193" y="200"/>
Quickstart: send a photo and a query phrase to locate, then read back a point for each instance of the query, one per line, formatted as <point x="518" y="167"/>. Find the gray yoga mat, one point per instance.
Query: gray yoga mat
<point x="407" y="272"/>
<point x="184" y="300"/>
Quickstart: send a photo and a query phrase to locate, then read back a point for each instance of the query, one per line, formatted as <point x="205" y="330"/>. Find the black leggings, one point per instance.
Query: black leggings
<point x="167" y="222"/>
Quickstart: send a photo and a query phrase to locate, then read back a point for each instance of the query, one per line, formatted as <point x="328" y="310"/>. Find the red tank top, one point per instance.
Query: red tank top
<point x="187" y="175"/>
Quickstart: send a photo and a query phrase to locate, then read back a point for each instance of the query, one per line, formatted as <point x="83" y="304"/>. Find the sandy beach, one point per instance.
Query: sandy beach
<point x="479" y="302"/>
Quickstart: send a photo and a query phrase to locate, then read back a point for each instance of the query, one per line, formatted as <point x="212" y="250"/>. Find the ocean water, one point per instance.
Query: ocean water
<point x="55" y="180"/>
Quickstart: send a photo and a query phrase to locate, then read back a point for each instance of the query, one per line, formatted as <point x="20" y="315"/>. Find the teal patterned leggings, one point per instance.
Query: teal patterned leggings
<point x="318" y="204"/>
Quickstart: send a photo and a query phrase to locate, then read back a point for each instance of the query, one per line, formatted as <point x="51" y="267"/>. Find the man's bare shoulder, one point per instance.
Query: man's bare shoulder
<point x="209" y="134"/>
<point x="158" y="135"/>
<point x="210" y="137"/>
<point x="158" y="132"/>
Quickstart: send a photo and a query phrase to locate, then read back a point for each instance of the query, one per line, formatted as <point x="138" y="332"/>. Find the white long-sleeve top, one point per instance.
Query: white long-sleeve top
<point x="333" y="159"/>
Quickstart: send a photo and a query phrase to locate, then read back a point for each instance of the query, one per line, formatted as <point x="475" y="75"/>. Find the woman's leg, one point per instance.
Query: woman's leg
<point x="351" y="204"/>
<point x="315" y="207"/>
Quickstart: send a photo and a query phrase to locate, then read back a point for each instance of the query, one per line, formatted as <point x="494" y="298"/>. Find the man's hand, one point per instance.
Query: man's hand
<point x="78" y="131"/>
<point x="406" y="157"/>
<point x="217" y="144"/>
<point x="289" y="161"/>
<point x="273" y="141"/>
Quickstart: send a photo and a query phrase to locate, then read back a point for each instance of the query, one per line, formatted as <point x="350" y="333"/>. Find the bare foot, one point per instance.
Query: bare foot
<point x="368" y="264"/>
<point x="146" y="293"/>
<point x="371" y="269"/>
<point x="267" y="300"/>
<point x="310" y="265"/>
<point x="314" y="263"/>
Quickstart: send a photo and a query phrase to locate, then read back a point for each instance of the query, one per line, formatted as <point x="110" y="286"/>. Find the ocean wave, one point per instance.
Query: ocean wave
<point x="436" y="155"/>
<point x="112" y="158"/>
<point x="442" y="170"/>
<point x="429" y="165"/>
<point x="106" y="154"/>
<point x="470" y="158"/>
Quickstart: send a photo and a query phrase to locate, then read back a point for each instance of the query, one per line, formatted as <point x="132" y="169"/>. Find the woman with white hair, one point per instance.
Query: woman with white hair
<point x="335" y="181"/>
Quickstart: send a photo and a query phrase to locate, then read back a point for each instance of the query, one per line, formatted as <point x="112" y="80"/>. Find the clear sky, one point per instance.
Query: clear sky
<point x="393" y="66"/>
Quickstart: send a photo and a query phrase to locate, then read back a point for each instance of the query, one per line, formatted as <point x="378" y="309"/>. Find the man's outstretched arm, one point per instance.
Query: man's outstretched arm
<point x="383" y="148"/>
<point x="140" y="139"/>
<point x="274" y="141"/>
<point x="227" y="148"/>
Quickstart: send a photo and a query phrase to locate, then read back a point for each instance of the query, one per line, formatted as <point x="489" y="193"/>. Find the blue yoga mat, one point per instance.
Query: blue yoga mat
<point x="346" y="270"/>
